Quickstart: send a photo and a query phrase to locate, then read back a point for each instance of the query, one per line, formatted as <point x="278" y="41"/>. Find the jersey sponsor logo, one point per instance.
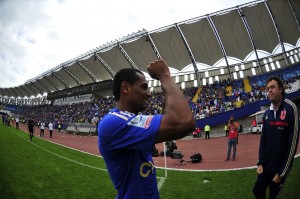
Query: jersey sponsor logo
<point x="146" y="168"/>
<point x="283" y="114"/>
<point x="141" y="121"/>
<point x="148" y="121"/>
<point x="280" y="128"/>
<point x="279" y="124"/>
<point x="135" y="120"/>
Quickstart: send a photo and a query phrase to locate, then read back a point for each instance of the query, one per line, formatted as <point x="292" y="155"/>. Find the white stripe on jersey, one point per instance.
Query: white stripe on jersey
<point x="119" y="115"/>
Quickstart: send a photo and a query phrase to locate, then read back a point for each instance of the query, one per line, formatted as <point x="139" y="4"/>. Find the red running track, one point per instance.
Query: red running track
<point x="213" y="150"/>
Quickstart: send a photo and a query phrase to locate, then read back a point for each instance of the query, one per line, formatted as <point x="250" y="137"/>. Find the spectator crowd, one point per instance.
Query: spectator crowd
<point x="204" y="102"/>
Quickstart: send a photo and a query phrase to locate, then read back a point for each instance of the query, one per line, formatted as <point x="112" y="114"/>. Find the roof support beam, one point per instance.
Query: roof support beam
<point x="149" y="39"/>
<point x="190" y="52"/>
<point x="19" y="91"/>
<point x="87" y="71"/>
<point x="220" y="43"/>
<point x="61" y="80"/>
<point x="15" y="93"/>
<point x="6" y="92"/>
<point x="250" y="35"/>
<point x="45" y="78"/>
<point x="9" y="92"/>
<point x="3" y="93"/>
<point x="295" y="15"/>
<point x="46" y="88"/>
<point x="36" y="88"/>
<point x="132" y="64"/>
<point x="278" y="33"/>
<point x="30" y="89"/>
<point x="111" y="72"/>
<point x="78" y="81"/>
<point x="25" y="91"/>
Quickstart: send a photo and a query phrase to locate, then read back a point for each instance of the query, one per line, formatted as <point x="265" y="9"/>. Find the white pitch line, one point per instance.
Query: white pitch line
<point x="159" y="185"/>
<point x="65" y="158"/>
<point x="160" y="182"/>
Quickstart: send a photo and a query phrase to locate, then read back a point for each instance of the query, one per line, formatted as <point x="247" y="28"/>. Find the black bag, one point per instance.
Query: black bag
<point x="155" y="152"/>
<point x="196" y="158"/>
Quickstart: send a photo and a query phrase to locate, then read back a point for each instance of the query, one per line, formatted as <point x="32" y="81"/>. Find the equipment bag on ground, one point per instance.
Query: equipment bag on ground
<point x="196" y="158"/>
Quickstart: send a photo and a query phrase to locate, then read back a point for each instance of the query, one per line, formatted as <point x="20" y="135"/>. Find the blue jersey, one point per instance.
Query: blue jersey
<point x="126" y="141"/>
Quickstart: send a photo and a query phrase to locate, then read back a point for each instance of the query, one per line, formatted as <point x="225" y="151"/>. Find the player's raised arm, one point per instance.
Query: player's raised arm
<point x="178" y="119"/>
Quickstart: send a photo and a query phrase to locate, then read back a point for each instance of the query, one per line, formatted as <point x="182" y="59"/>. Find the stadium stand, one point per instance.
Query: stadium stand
<point x="216" y="84"/>
<point x="212" y="104"/>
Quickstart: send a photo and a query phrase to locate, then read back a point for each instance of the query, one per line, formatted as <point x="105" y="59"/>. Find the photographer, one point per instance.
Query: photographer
<point x="232" y="139"/>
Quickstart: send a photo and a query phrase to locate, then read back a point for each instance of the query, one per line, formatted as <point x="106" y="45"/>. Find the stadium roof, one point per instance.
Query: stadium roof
<point x="238" y="34"/>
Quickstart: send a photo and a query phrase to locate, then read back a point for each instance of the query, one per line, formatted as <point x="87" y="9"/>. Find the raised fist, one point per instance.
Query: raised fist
<point x="158" y="68"/>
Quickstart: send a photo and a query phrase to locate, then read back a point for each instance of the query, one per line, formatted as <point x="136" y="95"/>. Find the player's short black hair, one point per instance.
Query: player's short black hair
<point x="126" y="74"/>
<point x="279" y="82"/>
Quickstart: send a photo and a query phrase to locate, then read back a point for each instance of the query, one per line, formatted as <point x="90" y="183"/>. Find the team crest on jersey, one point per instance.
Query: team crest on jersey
<point x="283" y="114"/>
<point x="141" y="121"/>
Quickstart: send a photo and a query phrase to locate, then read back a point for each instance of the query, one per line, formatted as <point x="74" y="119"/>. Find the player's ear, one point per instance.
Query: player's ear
<point x="125" y="87"/>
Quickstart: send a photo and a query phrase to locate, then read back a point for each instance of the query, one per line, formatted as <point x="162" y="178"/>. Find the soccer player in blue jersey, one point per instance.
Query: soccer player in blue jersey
<point x="126" y="138"/>
<point x="278" y="142"/>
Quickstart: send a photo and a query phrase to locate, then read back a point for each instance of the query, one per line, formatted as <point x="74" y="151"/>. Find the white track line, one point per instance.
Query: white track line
<point x="235" y="169"/>
<point x="161" y="179"/>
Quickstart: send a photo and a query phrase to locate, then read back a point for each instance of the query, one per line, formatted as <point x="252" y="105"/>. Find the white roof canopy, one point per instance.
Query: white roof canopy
<point x="259" y="26"/>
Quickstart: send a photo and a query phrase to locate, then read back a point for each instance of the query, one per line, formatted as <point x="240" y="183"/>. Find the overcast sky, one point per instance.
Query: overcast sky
<point x="37" y="35"/>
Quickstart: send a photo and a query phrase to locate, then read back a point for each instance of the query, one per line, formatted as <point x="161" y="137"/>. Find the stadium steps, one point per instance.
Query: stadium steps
<point x="196" y="95"/>
<point x="247" y="86"/>
<point x="229" y="90"/>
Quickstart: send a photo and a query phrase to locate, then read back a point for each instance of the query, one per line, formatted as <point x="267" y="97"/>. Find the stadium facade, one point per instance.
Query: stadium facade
<point x="244" y="41"/>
